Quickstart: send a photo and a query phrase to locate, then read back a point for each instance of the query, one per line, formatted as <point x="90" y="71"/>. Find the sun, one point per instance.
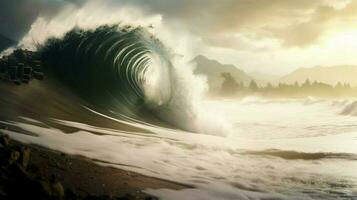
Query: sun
<point x="346" y="40"/>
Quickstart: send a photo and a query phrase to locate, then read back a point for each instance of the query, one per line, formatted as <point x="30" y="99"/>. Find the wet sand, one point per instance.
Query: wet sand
<point x="85" y="177"/>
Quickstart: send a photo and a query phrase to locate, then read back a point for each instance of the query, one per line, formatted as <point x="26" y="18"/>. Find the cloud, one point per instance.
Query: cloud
<point x="295" y="23"/>
<point x="247" y="25"/>
<point x="16" y="16"/>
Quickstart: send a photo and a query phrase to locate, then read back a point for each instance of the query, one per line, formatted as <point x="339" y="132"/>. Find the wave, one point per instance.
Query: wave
<point x="122" y="70"/>
<point x="117" y="69"/>
<point x="350" y="109"/>
<point x="127" y="72"/>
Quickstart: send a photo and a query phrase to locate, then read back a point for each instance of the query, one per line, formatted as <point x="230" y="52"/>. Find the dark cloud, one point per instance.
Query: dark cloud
<point x="16" y="16"/>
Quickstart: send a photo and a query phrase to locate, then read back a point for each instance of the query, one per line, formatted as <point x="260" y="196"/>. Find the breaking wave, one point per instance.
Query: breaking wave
<point x="350" y="109"/>
<point x="129" y="73"/>
<point x="112" y="67"/>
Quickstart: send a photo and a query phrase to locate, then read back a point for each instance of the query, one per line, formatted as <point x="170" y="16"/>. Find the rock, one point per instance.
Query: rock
<point x="35" y="170"/>
<point x="38" y="75"/>
<point x="20" y="64"/>
<point x="57" y="191"/>
<point x="21" y="185"/>
<point x="46" y="188"/>
<point x="14" y="156"/>
<point x="25" y="156"/>
<point x="19" y="67"/>
<point x="37" y="62"/>
<point x="12" y="71"/>
<point x="5" y="140"/>
<point x="17" y="172"/>
<point x="27" y="70"/>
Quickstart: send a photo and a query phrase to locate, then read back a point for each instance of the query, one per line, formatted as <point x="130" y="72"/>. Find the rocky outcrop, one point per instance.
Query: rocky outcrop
<point x="21" y="66"/>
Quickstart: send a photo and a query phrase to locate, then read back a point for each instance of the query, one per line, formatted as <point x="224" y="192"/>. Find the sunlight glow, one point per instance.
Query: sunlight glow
<point x="346" y="40"/>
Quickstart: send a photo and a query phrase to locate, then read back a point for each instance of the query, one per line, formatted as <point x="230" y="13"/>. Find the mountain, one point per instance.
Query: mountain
<point x="330" y="75"/>
<point x="5" y="42"/>
<point x="213" y="70"/>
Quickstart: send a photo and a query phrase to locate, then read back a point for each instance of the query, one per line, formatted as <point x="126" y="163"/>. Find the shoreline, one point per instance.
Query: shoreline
<point x="85" y="179"/>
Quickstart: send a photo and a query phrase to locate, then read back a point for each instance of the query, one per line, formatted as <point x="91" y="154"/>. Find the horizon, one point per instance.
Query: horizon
<point x="283" y="74"/>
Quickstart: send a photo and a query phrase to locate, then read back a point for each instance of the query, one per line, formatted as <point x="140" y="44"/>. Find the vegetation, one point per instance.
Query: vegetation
<point x="230" y="87"/>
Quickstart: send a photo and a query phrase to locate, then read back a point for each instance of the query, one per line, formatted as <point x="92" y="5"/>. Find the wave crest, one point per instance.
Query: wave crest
<point x="128" y="72"/>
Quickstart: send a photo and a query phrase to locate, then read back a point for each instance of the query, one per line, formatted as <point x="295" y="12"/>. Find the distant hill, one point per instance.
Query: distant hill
<point x="213" y="70"/>
<point x="5" y="42"/>
<point x="330" y="75"/>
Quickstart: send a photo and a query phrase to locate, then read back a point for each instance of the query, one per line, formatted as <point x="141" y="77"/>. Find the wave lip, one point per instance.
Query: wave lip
<point x="121" y="69"/>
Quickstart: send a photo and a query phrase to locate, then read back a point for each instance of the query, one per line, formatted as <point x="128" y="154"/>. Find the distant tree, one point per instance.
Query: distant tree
<point x="281" y="85"/>
<point x="307" y="83"/>
<point x="315" y="84"/>
<point x="229" y="85"/>
<point x="338" y="86"/>
<point x="269" y="86"/>
<point x="347" y="86"/>
<point x="253" y="85"/>
<point x="296" y="84"/>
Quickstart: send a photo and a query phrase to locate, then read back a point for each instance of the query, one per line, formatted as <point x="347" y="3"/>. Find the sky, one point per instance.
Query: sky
<point x="266" y="36"/>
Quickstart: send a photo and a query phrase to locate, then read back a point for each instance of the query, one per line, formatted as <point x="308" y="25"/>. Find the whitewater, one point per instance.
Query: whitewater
<point x="280" y="149"/>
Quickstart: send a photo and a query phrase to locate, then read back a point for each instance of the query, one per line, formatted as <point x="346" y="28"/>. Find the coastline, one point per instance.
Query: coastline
<point x="85" y="179"/>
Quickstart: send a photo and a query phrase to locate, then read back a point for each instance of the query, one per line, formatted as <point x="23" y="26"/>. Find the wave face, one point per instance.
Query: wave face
<point x="350" y="109"/>
<point x="122" y="70"/>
